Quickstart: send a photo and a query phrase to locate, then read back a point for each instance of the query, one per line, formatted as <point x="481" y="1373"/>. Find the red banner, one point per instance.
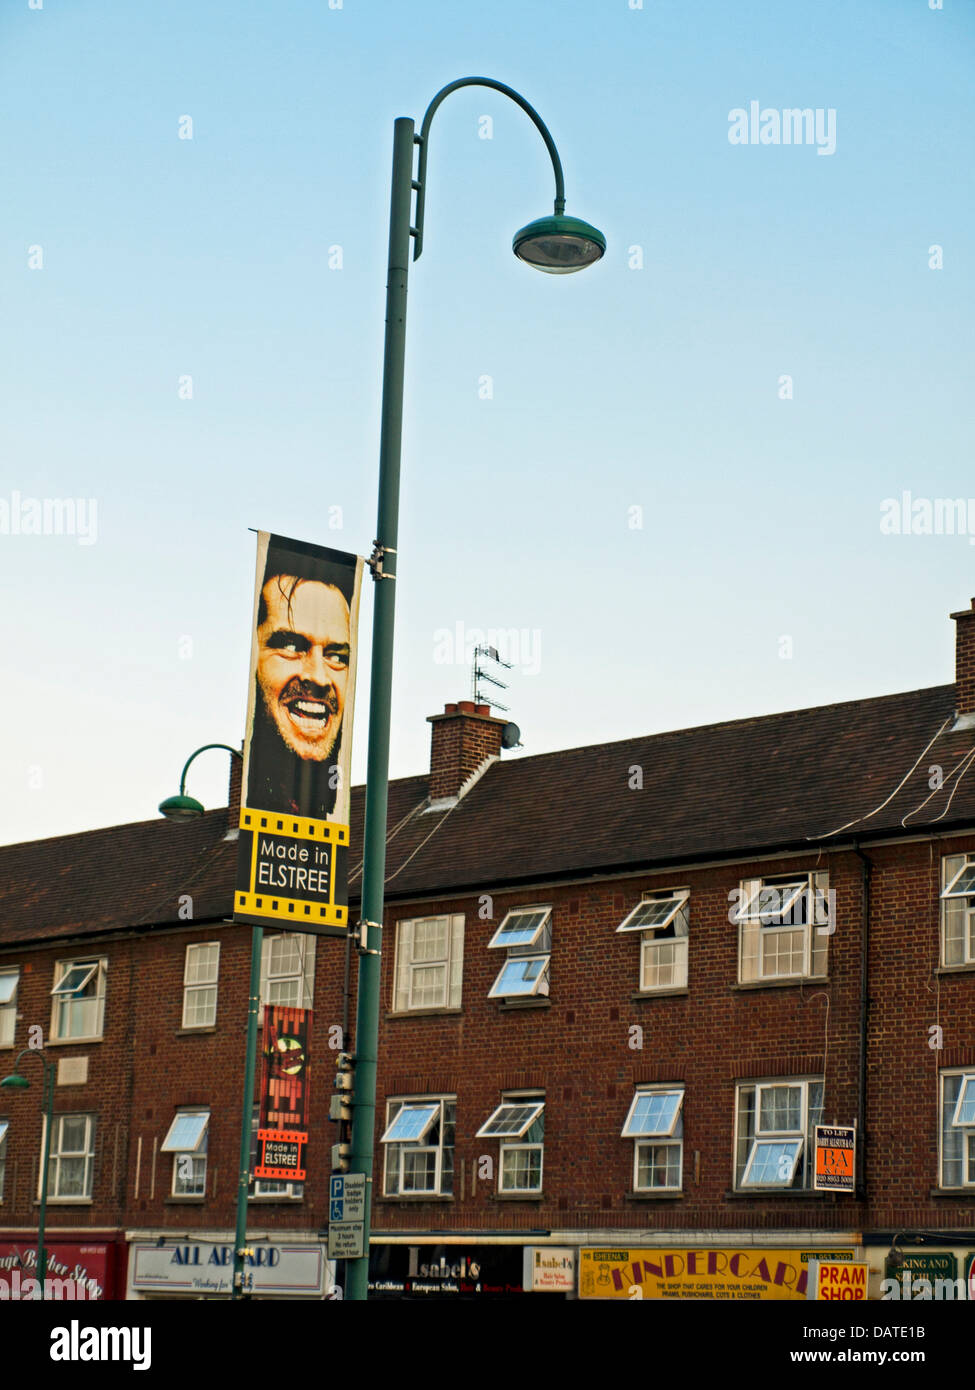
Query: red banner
<point x="282" y="1131"/>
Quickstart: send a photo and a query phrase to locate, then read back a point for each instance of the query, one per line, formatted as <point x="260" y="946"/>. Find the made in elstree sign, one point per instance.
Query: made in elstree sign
<point x="292" y="864"/>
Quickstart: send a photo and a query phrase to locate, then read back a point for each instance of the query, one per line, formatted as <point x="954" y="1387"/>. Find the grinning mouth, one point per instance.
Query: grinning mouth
<point x="309" y="712"/>
<point x="310" y="709"/>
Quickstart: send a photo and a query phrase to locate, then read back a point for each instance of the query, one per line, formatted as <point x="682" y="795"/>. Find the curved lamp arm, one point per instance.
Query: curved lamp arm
<point x="27" y="1052"/>
<point x="235" y="752"/>
<point x="423" y="138"/>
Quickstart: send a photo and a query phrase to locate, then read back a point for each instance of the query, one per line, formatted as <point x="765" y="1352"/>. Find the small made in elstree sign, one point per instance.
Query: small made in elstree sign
<point x="835" y="1159"/>
<point x="281" y="1155"/>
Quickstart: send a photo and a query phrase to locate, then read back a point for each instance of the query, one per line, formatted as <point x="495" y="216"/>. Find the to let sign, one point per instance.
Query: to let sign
<point x="835" y="1159"/>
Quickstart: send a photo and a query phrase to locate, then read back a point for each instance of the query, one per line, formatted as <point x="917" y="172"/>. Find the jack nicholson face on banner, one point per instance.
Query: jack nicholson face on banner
<point x="303" y="638"/>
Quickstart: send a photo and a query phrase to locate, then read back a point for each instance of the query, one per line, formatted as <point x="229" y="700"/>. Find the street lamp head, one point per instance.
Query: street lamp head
<point x="181" y="808"/>
<point x="559" y="244"/>
<point x="16" y="1080"/>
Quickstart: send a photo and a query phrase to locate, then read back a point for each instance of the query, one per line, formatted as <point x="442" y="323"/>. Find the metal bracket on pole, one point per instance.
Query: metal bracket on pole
<point x="375" y="561"/>
<point x="362" y="936"/>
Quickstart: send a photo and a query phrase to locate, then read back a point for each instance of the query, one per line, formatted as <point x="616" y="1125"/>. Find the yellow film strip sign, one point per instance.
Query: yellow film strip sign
<point x="291" y="874"/>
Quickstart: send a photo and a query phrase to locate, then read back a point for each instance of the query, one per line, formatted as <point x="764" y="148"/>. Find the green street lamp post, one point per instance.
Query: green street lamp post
<point x="184" y="808"/>
<point x="17" y="1082"/>
<point x="558" y="245"/>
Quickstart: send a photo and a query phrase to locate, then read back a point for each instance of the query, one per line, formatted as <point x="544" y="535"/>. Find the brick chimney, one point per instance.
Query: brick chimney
<point x="233" y="799"/>
<point x="965" y="661"/>
<point x="460" y="739"/>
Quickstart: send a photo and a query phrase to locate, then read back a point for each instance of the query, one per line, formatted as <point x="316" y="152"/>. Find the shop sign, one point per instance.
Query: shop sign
<point x="923" y="1275"/>
<point x="754" y="1273"/>
<point x="837" y="1281"/>
<point x="446" y="1271"/>
<point x="74" y="1271"/>
<point x="550" y="1269"/>
<point x="204" y="1268"/>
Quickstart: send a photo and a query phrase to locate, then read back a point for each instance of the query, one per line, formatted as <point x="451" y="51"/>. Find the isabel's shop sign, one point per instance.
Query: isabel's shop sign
<point x="445" y="1271"/>
<point x="727" y="1274"/>
<point x="550" y="1269"/>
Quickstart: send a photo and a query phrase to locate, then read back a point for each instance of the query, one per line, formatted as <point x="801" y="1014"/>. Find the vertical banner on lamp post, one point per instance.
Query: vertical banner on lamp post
<point x="282" y="1127"/>
<point x="292" y="865"/>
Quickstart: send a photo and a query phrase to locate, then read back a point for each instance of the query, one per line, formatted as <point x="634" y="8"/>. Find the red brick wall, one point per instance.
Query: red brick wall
<point x="576" y="1049"/>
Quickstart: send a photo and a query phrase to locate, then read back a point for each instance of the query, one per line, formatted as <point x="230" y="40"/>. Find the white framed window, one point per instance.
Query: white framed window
<point x="277" y="1188"/>
<point x="78" y="999"/>
<point x="288" y="970"/>
<point x="662" y="919"/>
<point x="4" y="1125"/>
<point x="72" y="1154"/>
<point x="521" y="977"/>
<point x="186" y="1140"/>
<point x="429" y="963"/>
<point x="957" y="1129"/>
<point x="419" y="1146"/>
<point x="526" y="934"/>
<point x="9" y="982"/>
<point x="656" y="1124"/>
<point x="519" y="1124"/>
<point x="775" y="1127"/>
<point x="958" y="909"/>
<point x="523" y="928"/>
<point x="784" y="926"/>
<point x="200" y="973"/>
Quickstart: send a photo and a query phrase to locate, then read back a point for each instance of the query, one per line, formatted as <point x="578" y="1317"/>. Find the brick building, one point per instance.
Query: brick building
<point x="621" y="986"/>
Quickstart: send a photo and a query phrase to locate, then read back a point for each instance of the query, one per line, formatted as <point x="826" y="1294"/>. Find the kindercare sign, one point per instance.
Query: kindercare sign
<point x="752" y="1273"/>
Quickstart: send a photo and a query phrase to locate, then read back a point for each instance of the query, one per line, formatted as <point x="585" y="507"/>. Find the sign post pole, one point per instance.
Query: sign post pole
<point x="380" y="691"/>
<point x="243" y="1173"/>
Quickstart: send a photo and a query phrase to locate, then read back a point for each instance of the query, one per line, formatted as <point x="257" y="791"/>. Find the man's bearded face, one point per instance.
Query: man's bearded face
<point x="303" y="663"/>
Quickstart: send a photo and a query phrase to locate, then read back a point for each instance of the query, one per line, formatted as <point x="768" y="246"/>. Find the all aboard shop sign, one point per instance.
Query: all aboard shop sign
<point x="288" y="1269"/>
<point x="701" y="1273"/>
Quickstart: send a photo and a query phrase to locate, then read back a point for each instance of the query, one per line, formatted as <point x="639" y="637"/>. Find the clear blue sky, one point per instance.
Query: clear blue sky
<point x="620" y="388"/>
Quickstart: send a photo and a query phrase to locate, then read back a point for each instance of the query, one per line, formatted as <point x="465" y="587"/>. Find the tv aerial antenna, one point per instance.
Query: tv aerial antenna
<point x="478" y="675"/>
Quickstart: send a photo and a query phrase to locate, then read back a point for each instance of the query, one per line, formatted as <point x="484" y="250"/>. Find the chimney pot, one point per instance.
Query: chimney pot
<point x="965" y="660"/>
<point x="233" y="797"/>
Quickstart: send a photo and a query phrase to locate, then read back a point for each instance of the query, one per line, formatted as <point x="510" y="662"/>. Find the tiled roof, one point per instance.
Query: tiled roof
<point x="777" y="782"/>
